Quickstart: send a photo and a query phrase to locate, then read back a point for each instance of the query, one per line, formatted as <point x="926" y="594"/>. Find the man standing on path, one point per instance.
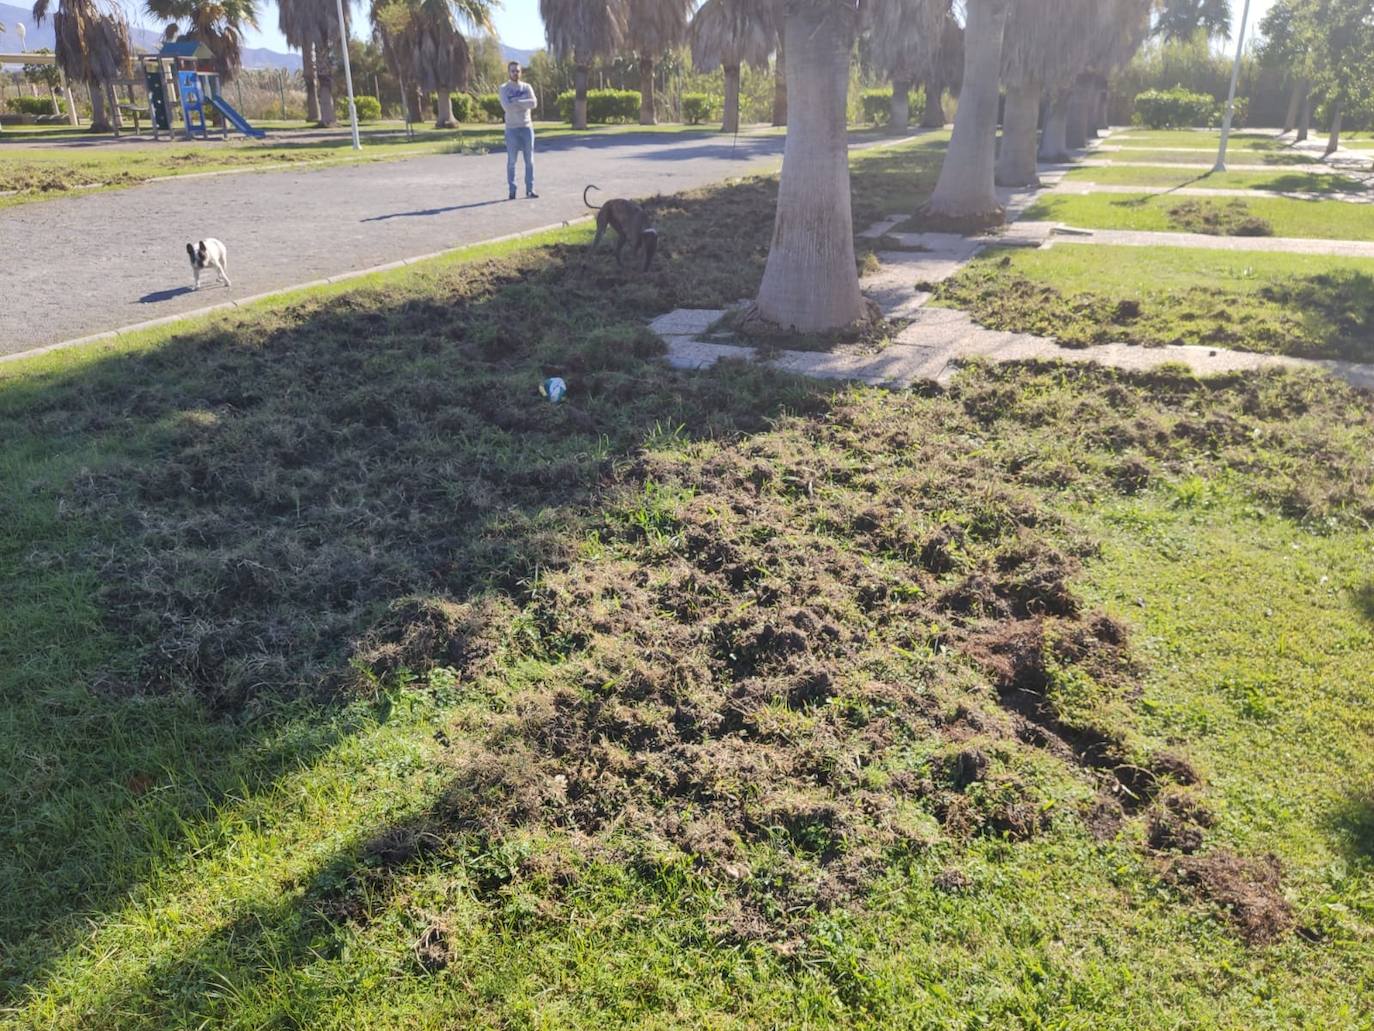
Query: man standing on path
<point x="518" y="100"/>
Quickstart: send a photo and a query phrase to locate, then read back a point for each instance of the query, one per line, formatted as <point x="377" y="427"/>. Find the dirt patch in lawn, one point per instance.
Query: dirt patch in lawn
<point x="1215" y="218"/>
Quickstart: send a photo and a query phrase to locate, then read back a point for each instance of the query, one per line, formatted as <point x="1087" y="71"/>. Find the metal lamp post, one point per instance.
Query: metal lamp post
<point x="1220" y="166"/>
<point x="348" y="77"/>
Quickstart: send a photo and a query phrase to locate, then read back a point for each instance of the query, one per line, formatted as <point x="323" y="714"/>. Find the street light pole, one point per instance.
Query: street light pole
<point x="1220" y="166"/>
<point x="348" y="76"/>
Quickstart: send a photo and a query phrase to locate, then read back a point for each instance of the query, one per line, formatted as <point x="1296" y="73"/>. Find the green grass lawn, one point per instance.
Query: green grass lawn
<point x="1210" y="138"/>
<point x="1284" y="182"/>
<point x="41" y="173"/>
<point x="1303" y="305"/>
<point x="348" y="684"/>
<point x="1309" y="219"/>
<point x="1145" y="155"/>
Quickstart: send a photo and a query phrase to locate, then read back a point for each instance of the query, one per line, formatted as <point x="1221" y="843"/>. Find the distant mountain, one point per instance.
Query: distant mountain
<point x="514" y="54"/>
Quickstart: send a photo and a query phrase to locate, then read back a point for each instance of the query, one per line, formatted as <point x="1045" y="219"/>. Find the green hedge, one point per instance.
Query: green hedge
<point x="1238" y="119"/>
<point x="32" y="105"/>
<point x="369" y="108"/>
<point x="483" y="108"/>
<point x="877" y="104"/>
<point x="603" y="105"/>
<point x="696" y="108"/>
<point x="1174" y="109"/>
<point x="490" y="106"/>
<point x="464" y="107"/>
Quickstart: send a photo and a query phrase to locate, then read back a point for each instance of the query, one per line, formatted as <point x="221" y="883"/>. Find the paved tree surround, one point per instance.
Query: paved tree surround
<point x="89" y="264"/>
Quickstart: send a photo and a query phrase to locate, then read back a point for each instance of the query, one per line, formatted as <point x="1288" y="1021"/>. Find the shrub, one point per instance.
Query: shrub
<point x="489" y="106"/>
<point x="696" y="108"/>
<point x="465" y="107"/>
<point x="877" y="105"/>
<point x="369" y="108"/>
<point x="32" y="105"/>
<point x="1174" y="108"/>
<point x="1238" y="119"/>
<point x="603" y="105"/>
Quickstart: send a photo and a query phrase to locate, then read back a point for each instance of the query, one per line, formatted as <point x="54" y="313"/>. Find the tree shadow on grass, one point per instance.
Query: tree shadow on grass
<point x="231" y="512"/>
<point x="1353" y="828"/>
<point x="1364" y="601"/>
<point x="1336" y="310"/>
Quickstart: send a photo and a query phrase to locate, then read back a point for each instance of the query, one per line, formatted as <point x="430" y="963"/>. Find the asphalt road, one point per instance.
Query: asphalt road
<point x="84" y="264"/>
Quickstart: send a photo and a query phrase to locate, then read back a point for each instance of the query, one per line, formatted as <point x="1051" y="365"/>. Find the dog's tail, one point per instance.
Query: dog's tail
<point x="585" y="201"/>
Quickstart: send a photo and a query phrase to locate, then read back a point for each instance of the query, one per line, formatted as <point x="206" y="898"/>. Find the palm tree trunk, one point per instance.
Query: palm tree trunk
<point x="811" y="281"/>
<point x="1016" y="160"/>
<point x="780" y="84"/>
<point x="933" y="115"/>
<point x="1334" y="141"/>
<point x="579" y="119"/>
<point x="1076" y="124"/>
<point x="312" y="97"/>
<point x="1305" y="118"/>
<point x="899" y="119"/>
<point x="443" y="109"/>
<point x="1053" y="145"/>
<point x="1290" y="120"/>
<point x="647" y="115"/>
<point x="99" y="121"/>
<point x="966" y="190"/>
<point x="731" y="122"/>
<point x="1104" y="110"/>
<point x="415" y="101"/>
<point x="324" y="71"/>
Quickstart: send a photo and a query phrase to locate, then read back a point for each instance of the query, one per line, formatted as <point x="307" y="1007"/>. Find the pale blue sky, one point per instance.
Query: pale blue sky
<point x="517" y="22"/>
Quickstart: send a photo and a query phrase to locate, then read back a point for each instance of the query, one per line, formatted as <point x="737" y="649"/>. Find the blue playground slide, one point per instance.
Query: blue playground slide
<point x="236" y="120"/>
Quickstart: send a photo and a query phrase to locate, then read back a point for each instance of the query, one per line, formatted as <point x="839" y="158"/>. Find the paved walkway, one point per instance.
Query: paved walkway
<point x="936" y="340"/>
<point x="1202" y="241"/>
<point x="100" y="261"/>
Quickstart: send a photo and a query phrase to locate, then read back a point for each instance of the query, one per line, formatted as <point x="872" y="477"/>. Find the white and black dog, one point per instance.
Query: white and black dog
<point x="209" y="253"/>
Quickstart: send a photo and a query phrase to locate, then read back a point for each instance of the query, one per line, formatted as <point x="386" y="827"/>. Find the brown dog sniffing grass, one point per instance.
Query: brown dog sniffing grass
<point x="630" y="222"/>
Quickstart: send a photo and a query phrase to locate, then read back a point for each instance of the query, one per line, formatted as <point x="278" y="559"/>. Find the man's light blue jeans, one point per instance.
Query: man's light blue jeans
<point x="520" y="141"/>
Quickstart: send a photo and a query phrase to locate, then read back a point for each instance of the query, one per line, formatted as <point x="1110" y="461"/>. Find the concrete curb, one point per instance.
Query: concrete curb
<point x="343" y="277"/>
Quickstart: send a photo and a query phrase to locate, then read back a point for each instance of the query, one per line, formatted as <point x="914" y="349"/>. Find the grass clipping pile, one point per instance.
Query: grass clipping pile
<point x="791" y="661"/>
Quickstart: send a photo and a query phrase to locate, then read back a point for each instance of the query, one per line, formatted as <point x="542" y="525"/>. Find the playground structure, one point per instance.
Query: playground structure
<point x="173" y="80"/>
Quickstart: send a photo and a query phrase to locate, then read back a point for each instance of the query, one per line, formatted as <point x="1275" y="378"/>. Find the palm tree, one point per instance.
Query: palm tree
<point x="944" y="72"/>
<point x="904" y="39"/>
<point x="653" y="27"/>
<point x="312" y="26"/>
<point x="811" y="281"/>
<point x="1045" y="44"/>
<point x="583" y="31"/>
<point x="966" y="192"/>
<point x="92" y="47"/>
<point x="1115" y="33"/>
<point x="429" y="49"/>
<point x="731" y="33"/>
<point x="219" y="24"/>
<point x="1184" y="19"/>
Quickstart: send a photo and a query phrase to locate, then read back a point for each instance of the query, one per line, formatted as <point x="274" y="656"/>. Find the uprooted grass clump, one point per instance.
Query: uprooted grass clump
<point x="1215" y="219"/>
<point x="1326" y="315"/>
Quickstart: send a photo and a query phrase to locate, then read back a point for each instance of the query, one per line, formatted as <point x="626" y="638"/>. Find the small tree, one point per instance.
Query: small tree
<point x="49" y="76"/>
